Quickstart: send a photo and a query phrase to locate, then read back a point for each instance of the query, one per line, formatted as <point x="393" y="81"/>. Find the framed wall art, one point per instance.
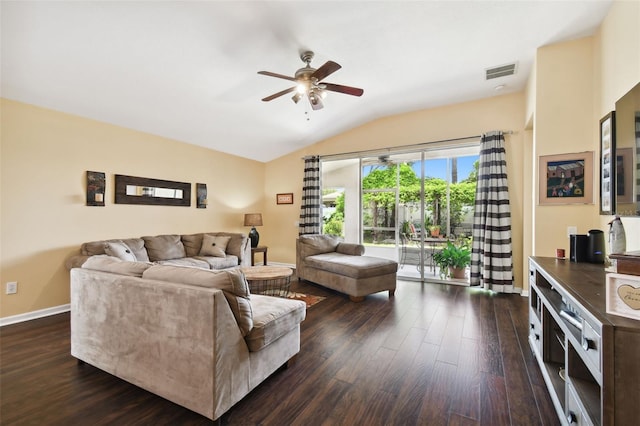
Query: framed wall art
<point x="284" y="198"/>
<point x="566" y="179"/>
<point x="608" y="161"/>
<point x="201" y="196"/>
<point x="95" y="188"/>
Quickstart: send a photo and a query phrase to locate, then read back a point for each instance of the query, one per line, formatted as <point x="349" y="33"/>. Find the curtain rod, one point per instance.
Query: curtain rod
<point x="399" y="148"/>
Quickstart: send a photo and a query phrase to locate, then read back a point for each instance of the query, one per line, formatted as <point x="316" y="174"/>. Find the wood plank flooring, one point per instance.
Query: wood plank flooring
<point x="432" y="355"/>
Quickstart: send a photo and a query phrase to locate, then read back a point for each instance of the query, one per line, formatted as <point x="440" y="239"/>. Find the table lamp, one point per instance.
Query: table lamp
<point x="253" y="220"/>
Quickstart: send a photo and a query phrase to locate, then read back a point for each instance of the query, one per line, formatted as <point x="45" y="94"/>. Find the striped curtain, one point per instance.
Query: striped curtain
<point x="491" y="256"/>
<point x="311" y="208"/>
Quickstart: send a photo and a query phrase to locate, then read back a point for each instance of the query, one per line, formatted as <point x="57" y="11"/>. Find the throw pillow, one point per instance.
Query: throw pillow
<point x="119" y="250"/>
<point x="164" y="247"/>
<point x="214" y="246"/>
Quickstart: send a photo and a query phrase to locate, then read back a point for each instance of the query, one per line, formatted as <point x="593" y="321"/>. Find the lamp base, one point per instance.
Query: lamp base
<point x="254" y="237"/>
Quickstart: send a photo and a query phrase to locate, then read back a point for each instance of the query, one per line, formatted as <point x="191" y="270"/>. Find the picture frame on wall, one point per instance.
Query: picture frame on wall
<point x="608" y="162"/>
<point x="286" y="198"/>
<point x="565" y="179"/>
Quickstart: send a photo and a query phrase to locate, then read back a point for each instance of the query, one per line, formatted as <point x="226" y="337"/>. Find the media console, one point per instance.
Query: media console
<point x="590" y="360"/>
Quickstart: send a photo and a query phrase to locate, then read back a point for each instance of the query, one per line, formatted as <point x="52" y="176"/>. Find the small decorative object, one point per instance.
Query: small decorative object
<point x="253" y="220"/>
<point x="452" y="260"/>
<point x="608" y="163"/>
<point x="617" y="237"/>
<point x="566" y="179"/>
<point x="95" y="188"/>
<point x="201" y="195"/>
<point x="623" y="295"/>
<point x="284" y="198"/>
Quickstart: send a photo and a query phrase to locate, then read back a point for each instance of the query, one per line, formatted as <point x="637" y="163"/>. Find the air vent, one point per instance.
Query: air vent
<point x="501" y="71"/>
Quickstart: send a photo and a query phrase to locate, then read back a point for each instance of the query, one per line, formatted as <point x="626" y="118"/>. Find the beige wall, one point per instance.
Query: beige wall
<point x="573" y="85"/>
<point x="616" y="70"/>
<point x="45" y="156"/>
<point x="563" y="123"/>
<point x="504" y="112"/>
<point x="577" y="83"/>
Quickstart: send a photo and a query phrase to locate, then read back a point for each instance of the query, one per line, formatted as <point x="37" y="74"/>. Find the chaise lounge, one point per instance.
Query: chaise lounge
<point x="340" y="266"/>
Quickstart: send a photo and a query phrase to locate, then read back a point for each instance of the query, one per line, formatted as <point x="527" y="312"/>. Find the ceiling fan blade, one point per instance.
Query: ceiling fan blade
<point x="277" y="95"/>
<point x="348" y="90"/>
<point x="327" y="69"/>
<point x="273" y="74"/>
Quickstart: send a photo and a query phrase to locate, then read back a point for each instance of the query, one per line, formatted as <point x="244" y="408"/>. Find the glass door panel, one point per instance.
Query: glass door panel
<point x="403" y="206"/>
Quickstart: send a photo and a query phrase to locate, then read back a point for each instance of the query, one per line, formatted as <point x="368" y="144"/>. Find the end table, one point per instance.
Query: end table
<point x="259" y="249"/>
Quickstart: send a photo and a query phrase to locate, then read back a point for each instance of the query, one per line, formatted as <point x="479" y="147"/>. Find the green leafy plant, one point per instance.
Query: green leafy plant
<point x="452" y="256"/>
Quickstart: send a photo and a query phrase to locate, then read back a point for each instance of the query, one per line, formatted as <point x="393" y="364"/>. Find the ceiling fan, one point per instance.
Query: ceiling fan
<point x="309" y="82"/>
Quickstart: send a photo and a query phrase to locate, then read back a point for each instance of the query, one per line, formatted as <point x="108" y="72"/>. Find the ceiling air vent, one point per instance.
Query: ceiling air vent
<point x="501" y="71"/>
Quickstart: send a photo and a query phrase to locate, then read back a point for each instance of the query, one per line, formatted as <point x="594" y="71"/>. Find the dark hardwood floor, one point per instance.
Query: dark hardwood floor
<point x="432" y="355"/>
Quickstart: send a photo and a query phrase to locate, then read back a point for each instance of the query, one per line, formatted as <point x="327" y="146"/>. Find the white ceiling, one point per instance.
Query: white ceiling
<point x="188" y="70"/>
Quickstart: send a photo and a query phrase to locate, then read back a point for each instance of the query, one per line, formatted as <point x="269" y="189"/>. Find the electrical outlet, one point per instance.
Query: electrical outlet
<point x="12" y="287"/>
<point x="572" y="230"/>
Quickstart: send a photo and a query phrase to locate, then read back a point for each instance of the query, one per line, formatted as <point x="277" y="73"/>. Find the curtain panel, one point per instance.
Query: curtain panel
<point x="491" y="254"/>
<point x="311" y="208"/>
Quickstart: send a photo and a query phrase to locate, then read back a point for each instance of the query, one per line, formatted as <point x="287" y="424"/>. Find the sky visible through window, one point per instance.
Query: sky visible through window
<point x="437" y="168"/>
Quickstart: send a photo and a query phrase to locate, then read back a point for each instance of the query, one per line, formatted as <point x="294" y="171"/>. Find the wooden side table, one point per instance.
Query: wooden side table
<point x="259" y="249"/>
<point x="269" y="280"/>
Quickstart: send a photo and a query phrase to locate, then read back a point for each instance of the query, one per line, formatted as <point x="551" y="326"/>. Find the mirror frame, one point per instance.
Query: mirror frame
<point x="627" y="154"/>
<point x="121" y="196"/>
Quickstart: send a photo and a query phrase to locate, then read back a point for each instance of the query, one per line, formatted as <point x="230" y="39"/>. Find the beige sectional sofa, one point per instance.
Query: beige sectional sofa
<point x="326" y="260"/>
<point x="208" y="250"/>
<point x="194" y="336"/>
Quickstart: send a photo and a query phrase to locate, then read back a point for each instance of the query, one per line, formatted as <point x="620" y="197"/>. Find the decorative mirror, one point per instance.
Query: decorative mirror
<point x="627" y="143"/>
<point x="139" y="190"/>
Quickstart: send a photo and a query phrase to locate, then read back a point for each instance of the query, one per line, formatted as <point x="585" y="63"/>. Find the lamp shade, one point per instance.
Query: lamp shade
<point x="253" y="219"/>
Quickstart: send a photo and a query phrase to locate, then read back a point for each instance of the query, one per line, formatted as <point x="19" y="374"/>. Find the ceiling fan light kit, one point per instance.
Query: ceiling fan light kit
<point x="309" y="82"/>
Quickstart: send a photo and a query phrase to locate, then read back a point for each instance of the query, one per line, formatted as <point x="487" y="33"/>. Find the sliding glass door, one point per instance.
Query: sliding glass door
<point x="403" y="206"/>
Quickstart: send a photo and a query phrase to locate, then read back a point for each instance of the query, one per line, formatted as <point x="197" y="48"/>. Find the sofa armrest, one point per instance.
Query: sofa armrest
<point x="75" y="261"/>
<point x="350" y="249"/>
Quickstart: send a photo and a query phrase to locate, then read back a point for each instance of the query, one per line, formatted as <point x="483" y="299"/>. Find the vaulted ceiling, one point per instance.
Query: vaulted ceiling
<point x="188" y="70"/>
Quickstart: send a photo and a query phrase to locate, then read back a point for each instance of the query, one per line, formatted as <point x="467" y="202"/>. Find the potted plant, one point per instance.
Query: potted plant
<point x="452" y="260"/>
<point x="434" y="230"/>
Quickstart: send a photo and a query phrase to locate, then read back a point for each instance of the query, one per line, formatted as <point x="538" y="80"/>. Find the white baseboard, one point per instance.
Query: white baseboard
<point x="14" y="319"/>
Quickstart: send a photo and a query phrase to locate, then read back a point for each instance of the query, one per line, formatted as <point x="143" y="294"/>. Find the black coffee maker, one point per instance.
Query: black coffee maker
<point x="587" y="248"/>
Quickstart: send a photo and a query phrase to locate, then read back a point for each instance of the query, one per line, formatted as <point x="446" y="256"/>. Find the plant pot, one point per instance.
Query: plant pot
<point x="458" y="273"/>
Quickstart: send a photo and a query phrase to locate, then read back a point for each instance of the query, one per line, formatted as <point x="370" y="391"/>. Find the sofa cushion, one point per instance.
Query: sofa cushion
<point x="105" y="263"/>
<point x="352" y="266"/>
<point x="120" y="250"/>
<point x="228" y="261"/>
<point x="164" y="247"/>
<point x="215" y="246"/>
<point x="317" y="244"/>
<point x="273" y="317"/>
<point x="186" y="261"/>
<point x="232" y="282"/>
